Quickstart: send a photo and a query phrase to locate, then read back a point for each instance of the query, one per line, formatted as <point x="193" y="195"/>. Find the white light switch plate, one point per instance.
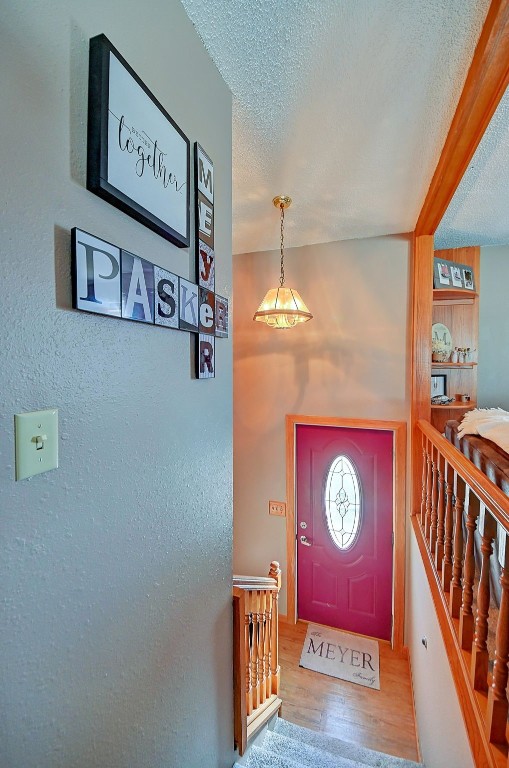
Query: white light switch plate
<point x="36" y="436"/>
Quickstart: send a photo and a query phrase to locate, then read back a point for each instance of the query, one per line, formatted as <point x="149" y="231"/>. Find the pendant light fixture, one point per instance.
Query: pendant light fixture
<point x="282" y="307"/>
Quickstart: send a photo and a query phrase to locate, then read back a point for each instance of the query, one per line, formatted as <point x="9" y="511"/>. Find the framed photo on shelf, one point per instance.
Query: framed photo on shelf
<point x="450" y="274"/>
<point x="468" y="277"/>
<point x="441" y="273"/>
<point x="137" y="156"/>
<point x="438" y="384"/>
<point x="457" y="280"/>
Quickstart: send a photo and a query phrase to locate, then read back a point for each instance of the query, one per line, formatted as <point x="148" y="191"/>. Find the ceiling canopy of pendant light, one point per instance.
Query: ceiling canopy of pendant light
<point x="282" y="307"/>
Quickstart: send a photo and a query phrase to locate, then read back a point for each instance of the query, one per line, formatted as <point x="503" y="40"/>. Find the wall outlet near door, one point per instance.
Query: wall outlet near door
<point x="277" y="508"/>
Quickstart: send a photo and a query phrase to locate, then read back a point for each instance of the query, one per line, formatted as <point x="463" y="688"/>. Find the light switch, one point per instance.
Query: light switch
<point x="36" y="437"/>
<point x="277" y="508"/>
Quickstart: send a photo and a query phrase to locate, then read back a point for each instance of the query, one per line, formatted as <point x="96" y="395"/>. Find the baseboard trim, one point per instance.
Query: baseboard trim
<point x="406" y="651"/>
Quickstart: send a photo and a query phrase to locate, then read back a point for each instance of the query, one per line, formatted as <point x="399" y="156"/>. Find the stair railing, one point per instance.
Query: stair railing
<point x="255" y="653"/>
<point x="458" y="500"/>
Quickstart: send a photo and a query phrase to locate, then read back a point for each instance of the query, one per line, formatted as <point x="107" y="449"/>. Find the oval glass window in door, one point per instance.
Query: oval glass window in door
<point x="343" y="502"/>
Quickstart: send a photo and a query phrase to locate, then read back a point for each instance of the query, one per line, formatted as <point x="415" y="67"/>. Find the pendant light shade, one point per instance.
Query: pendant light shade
<point x="282" y="307"/>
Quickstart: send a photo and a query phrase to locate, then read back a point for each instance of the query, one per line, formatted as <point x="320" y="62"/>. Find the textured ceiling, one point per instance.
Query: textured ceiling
<point x="478" y="214"/>
<point x="342" y="104"/>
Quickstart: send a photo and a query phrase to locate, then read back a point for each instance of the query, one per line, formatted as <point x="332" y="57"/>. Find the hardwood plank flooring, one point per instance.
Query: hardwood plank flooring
<point x="382" y="720"/>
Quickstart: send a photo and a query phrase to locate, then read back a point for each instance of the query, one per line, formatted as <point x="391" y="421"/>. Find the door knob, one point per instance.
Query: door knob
<point x="304" y="540"/>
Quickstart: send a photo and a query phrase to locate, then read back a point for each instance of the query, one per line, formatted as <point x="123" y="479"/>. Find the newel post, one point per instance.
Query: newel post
<point x="275" y="573"/>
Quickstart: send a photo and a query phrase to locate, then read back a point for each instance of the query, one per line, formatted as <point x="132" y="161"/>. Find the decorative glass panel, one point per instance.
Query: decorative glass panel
<point x="343" y="502"/>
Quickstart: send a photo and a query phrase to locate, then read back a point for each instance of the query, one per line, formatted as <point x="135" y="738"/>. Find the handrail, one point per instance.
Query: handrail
<point x="254" y="582"/>
<point x="489" y="493"/>
<point x="460" y="504"/>
<point x="255" y="652"/>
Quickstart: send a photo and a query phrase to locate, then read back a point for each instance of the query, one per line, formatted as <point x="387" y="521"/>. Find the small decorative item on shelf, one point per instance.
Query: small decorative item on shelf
<point x="461" y="355"/>
<point x="454" y="355"/>
<point x="441" y="343"/>
<point x="439" y="355"/>
<point x="441" y="400"/>
<point x="438" y="384"/>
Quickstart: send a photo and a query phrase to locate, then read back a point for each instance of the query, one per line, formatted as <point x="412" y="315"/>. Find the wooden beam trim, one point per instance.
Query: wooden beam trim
<point x="487" y="79"/>
<point x="422" y="310"/>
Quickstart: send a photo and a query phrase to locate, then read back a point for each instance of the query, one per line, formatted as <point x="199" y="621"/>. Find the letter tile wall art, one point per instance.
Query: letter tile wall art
<point x="109" y="280"/>
<point x="138" y="160"/>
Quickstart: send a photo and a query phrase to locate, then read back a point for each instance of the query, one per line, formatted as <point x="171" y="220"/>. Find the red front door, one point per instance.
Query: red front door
<point x="344" y="528"/>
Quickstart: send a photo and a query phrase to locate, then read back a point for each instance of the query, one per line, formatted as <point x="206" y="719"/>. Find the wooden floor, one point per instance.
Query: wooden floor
<point x="382" y="720"/>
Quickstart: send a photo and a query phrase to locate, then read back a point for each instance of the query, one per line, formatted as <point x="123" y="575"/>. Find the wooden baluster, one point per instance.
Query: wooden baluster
<point x="434" y="501"/>
<point x="269" y="641"/>
<point x="260" y="660"/>
<point x="424" y="481"/>
<point x="266" y="653"/>
<point x="498" y="706"/>
<point x="429" y="485"/>
<point x="480" y="655"/>
<point x="275" y="573"/>
<point x="263" y="647"/>
<point x="249" y="655"/>
<point x="466" y="629"/>
<point x="457" y="563"/>
<point x="447" y="561"/>
<point x="256" y="638"/>
<point x="439" y="547"/>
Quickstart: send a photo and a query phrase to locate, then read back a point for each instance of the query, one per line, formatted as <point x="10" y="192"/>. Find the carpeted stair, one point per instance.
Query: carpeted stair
<point x="290" y="746"/>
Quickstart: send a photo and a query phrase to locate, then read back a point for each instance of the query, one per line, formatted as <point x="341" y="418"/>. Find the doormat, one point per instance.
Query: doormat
<point x="339" y="654"/>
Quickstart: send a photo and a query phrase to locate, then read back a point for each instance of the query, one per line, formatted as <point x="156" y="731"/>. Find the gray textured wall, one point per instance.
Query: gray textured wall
<point x="116" y="568"/>
<point x="493" y="371"/>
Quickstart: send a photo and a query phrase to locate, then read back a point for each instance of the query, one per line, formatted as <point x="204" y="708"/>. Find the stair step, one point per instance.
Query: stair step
<point x="303" y="754"/>
<point x="262" y="758"/>
<point x="341" y="749"/>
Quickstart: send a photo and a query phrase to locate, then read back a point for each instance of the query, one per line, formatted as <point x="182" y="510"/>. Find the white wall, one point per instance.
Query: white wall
<point x="442" y="735"/>
<point x="350" y="360"/>
<point x="493" y="370"/>
<point x="116" y="568"/>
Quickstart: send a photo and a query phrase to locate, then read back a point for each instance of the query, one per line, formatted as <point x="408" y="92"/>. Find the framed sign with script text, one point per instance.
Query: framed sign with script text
<point x="137" y="158"/>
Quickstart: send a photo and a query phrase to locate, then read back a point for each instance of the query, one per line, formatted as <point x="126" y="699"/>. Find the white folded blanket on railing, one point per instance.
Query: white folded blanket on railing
<point x="492" y="423"/>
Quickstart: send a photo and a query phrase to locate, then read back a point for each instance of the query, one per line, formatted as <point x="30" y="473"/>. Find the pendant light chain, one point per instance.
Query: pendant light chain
<point x="282" y="246"/>
<point x="282" y="307"/>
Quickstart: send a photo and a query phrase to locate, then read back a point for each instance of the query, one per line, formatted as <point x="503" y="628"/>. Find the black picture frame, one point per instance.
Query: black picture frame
<point x="442" y="277"/>
<point x="449" y="275"/>
<point x="141" y="167"/>
<point x="438" y="384"/>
